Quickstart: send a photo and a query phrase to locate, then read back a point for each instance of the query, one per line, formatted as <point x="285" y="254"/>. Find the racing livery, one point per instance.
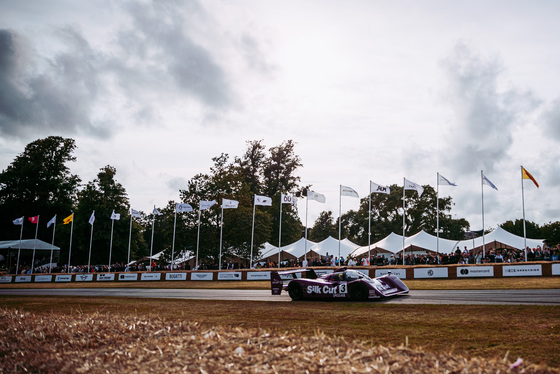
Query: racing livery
<point x="342" y="284"/>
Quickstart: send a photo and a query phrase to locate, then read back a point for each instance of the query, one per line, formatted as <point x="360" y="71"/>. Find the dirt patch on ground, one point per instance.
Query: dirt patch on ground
<point x="108" y="342"/>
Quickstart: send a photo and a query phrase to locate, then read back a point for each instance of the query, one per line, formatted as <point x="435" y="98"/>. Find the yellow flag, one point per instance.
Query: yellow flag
<point x="68" y="219"/>
<point x="527" y="175"/>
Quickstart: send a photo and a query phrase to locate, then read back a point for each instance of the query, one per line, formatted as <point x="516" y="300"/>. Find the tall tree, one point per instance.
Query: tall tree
<point x="38" y="182"/>
<point x="532" y="229"/>
<point x="323" y="227"/>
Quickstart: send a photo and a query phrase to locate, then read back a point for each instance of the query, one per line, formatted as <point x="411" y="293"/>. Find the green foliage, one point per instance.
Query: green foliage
<point x="532" y="229"/>
<point x="324" y="227"/>
<point x="551" y="231"/>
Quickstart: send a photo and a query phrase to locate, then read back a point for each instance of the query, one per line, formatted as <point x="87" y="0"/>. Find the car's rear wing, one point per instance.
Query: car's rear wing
<point x="277" y="278"/>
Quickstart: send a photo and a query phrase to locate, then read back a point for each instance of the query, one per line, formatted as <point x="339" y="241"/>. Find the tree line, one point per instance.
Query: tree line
<point x="39" y="182"/>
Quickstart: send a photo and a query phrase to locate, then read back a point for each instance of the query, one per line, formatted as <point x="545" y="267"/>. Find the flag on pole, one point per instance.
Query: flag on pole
<point x="205" y="204"/>
<point x="68" y="219"/>
<point x="18" y="221"/>
<point x="377" y="188"/>
<point x="34" y="219"/>
<point x="53" y="220"/>
<point x="115" y="216"/>
<point x="527" y="175"/>
<point x="263" y="200"/>
<point x="229" y="204"/>
<point x="157" y="212"/>
<point x="92" y="218"/>
<point x="312" y="195"/>
<point x="409" y="185"/>
<point x="183" y="207"/>
<point x="487" y="182"/>
<point x="348" y="191"/>
<point x="287" y="199"/>
<point x="135" y="213"/>
<point x="442" y="181"/>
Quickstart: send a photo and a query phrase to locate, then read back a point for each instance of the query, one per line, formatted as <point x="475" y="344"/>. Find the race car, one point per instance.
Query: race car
<point x="343" y="283"/>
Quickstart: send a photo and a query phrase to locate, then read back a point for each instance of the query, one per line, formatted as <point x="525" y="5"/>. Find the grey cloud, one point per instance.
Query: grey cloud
<point x="551" y="119"/>
<point x="485" y="115"/>
<point x="58" y="98"/>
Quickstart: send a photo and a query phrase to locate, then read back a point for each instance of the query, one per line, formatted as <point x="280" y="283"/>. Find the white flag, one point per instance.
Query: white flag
<point x="229" y="204"/>
<point x="442" y="181"/>
<point x="92" y="218"/>
<point x="409" y="185"/>
<point x="263" y="200"/>
<point x="312" y="195"/>
<point x="377" y="188"/>
<point x="18" y="221"/>
<point x="206" y="204"/>
<point x="157" y="212"/>
<point x="183" y="207"/>
<point x="53" y="220"/>
<point x="135" y="213"/>
<point x="347" y="191"/>
<point x="487" y="182"/>
<point x="287" y="199"/>
<point x="115" y="216"/>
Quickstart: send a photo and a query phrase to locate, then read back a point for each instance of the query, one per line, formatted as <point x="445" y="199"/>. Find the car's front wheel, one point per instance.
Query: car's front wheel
<point x="295" y="291"/>
<point x="359" y="292"/>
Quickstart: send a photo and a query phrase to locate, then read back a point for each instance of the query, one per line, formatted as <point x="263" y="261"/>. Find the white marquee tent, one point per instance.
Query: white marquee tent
<point x="330" y="246"/>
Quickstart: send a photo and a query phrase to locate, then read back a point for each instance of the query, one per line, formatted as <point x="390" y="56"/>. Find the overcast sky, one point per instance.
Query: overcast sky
<point x="369" y="90"/>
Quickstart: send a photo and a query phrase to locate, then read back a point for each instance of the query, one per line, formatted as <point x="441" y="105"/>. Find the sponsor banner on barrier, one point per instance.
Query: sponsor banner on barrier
<point x="105" y="277"/>
<point x="128" y="277"/>
<point x="258" y="275"/>
<point x="229" y="276"/>
<point x="522" y="271"/>
<point x="150" y="276"/>
<point x="84" y="277"/>
<point x="291" y="276"/>
<point x="430" y="273"/>
<point x="555" y="269"/>
<point x="23" y="278"/>
<point x="5" y="279"/>
<point x="475" y="271"/>
<point x="320" y="272"/>
<point x="63" y="278"/>
<point x="400" y="273"/>
<point x="176" y="276"/>
<point x="43" y="278"/>
<point x="196" y="276"/>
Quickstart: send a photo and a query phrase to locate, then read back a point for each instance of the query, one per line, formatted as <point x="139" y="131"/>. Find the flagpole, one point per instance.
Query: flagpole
<point x="369" y="224"/>
<point x="221" y="231"/>
<point x="339" y="217"/>
<point x="19" y="248"/>
<point x="70" y="248"/>
<point x="523" y="203"/>
<point x="252" y="235"/>
<point x="90" y="240"/>
<point x="437" y="213"/>
<point x="152" y="240"/>
<point x="111" y="243"/>
<point x="198" y="234"/>
<point x="34" y="247"/>
<point x="52" y="245"/>
<point x="483" y="239"/>
<point x="403" y="217"/>
<point x="280" y="230"/>
<point x="129" y="240"/>
<point x="173" y="241"/>
<point x="306" y="210"/>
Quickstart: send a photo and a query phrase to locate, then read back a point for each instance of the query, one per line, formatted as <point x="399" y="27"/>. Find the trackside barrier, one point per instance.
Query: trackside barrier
<point x="533" y="269"/>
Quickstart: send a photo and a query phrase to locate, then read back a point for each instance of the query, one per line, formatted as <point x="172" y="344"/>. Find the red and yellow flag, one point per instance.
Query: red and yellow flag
<point x="68" y="219"/>
<point x="527" y="175"/>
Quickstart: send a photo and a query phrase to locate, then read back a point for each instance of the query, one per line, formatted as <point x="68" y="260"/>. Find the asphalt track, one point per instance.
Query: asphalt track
<point x="456" y="297"/>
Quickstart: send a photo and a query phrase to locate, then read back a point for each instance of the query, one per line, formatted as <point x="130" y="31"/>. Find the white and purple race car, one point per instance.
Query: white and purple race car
<point x="343" y="283"/>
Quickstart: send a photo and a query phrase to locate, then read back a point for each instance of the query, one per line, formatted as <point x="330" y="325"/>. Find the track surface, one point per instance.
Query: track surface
<point x="481" y="297"/>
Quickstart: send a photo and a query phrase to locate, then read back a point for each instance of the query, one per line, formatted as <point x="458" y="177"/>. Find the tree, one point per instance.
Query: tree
<point x="279" y="169"/>
<point x="551" y="233"/>
<point x="532" y="229"/>
<point x="38" y="182"/>
<point x="104" y="195"/>
<point x="323" y="227"/>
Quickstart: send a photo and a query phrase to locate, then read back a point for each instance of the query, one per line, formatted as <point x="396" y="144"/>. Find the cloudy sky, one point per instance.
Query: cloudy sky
<point x="369" y="90"/>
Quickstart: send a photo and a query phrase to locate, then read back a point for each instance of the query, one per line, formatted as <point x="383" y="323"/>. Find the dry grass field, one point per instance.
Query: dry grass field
<point x="78" y="334"/>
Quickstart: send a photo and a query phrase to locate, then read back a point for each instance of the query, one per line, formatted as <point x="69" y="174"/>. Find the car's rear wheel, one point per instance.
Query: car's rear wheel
<point x="359" y="292"/>
<point x="295" y="291"/>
